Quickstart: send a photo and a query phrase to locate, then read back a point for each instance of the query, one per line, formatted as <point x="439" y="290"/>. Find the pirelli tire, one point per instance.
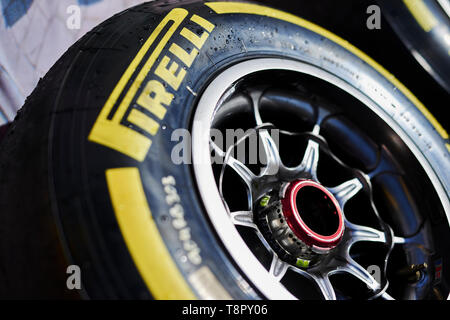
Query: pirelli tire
<point x="86" y="175"/>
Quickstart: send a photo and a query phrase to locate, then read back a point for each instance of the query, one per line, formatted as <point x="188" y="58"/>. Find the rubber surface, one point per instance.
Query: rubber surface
<point x="423" y="25"/>
<point x="87" y="160"/>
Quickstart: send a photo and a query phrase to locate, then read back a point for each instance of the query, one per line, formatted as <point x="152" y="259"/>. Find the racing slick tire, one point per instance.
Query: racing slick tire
<point x="87" y="176"/>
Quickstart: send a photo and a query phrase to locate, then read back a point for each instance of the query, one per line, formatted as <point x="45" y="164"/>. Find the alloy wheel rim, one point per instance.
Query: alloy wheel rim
<point x="268" y="281"/>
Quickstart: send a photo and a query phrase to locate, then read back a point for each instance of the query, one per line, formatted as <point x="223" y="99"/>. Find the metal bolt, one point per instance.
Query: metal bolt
<point x="264" y="201"/>
<point x="413" y="272"/>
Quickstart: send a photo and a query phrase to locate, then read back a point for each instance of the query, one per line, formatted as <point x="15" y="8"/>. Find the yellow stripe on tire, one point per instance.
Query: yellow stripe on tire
<point x="142" y="237"/>
<point x="422" y="14"/>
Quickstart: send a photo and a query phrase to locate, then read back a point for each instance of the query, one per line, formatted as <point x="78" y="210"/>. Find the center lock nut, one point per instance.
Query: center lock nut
<point x="305" y="220"/>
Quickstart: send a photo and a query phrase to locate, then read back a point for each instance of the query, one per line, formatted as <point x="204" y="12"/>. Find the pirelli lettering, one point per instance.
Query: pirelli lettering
<point x="111" y="130"/>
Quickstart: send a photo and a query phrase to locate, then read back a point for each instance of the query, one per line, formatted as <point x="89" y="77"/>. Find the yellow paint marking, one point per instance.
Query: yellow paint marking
<point x="195" y="39"/>
<point x="205" y="24"/>
<point x="173" y="75"/>
<point x="143" y="121"/>
<point x="181" y="54"/>
<point x="112" y="133"/>
<point x="420" y="12"/>
<point x="142" y="237"/>
<point x="153" y="98"/>
<point x="248" y="8"/>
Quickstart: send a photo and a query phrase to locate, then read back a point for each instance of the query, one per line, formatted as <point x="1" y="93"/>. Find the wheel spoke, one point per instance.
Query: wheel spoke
<point x="325" y="287"/>
<point x="400" y="240"/>
<point x="243" y="218"/>
<point x="273" y="160"/>
<point x="410" y="240"/>
<point x="346" y="191"/>
<point x="360" y="233"/>
<point x="241" y="169"/>
<point x="255" y="105"/>
<point x="278" y="267"/>
<point x="322" y="281"/>
<point x="217" y="149"/>
<point x="310" y="160"/>
<point x="355" y="269"/>
<point x="386" y="296"/>
<point x="263" y="241"/>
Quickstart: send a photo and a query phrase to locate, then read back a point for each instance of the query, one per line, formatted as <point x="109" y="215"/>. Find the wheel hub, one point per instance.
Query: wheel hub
<point x="304" y="221"/>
